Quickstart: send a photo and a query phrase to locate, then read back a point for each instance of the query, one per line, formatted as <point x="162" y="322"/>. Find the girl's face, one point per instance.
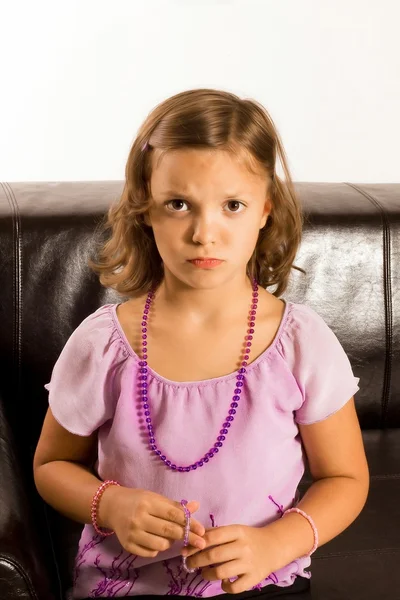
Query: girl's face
<point x="206" y="204"/>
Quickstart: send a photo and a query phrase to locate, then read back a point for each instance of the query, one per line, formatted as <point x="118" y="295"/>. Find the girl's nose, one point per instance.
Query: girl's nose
<point x="204" y="231"/>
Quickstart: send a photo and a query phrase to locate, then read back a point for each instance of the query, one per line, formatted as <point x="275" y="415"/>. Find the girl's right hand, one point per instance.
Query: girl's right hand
<point x="147" y="523"/>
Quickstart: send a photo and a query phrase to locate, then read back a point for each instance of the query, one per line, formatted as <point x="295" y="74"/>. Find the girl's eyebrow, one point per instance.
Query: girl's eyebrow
<point x="186" y="196"/>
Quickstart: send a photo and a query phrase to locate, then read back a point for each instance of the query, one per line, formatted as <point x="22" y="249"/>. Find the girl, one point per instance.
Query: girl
<point x="202" y="394"/>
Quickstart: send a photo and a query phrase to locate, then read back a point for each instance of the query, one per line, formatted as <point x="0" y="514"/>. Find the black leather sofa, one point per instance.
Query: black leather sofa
<point x="351" y="253"/>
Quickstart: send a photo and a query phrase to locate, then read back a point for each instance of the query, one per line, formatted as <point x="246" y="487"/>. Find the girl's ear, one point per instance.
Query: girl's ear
<point x="266" y="212"/>
<point x="146" y="219"/>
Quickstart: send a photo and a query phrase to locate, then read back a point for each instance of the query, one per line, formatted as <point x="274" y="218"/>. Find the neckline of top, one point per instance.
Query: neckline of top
<point x="202" y="382"/>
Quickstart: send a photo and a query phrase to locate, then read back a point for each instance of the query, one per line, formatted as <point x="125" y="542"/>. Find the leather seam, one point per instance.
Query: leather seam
<point x="387" y="301"/>
<point x="21" y="572"/>
<point x="16" y="283"/>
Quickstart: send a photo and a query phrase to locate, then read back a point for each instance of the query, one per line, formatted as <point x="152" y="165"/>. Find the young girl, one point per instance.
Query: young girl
<point x="180" y="420"/>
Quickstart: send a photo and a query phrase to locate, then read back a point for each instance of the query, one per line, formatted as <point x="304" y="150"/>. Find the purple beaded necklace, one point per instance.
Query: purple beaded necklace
<point x="234" y="404"/>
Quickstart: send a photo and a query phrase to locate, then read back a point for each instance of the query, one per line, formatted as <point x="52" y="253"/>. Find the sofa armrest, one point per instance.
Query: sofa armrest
<point x="22" y="574"/>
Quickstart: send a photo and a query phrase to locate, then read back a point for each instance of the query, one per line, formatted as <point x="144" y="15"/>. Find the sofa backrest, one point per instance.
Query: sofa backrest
<point x="350" y="252"/>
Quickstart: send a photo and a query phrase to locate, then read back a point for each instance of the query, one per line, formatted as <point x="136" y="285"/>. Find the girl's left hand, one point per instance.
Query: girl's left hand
<point x="233" y="551"/>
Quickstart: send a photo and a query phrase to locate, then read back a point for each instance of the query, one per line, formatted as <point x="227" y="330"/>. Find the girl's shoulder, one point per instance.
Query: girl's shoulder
<point x="315" y="356"/>
<point x="304" y="326"/>
<point x="82" y="385"/>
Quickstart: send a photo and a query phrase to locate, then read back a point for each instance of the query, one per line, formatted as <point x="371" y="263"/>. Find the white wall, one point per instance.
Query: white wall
<point x="79" y="76"/>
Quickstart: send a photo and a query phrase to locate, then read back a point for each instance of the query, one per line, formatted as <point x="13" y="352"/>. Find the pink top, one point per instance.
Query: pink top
<point x="304" y="376"/>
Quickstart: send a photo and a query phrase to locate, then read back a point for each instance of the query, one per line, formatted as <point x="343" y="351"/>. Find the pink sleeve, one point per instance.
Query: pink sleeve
<point x="81" y="394"/>
<point x="319" y="364"/>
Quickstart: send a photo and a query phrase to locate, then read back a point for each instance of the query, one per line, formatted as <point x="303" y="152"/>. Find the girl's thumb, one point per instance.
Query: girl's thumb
<point x="193" y="506"/>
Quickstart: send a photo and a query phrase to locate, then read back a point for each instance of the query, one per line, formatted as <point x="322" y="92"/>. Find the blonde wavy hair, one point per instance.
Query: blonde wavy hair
<point x="129" y="261"/>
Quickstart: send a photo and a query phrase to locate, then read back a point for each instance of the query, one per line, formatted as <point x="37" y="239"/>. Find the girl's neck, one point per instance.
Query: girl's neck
<point x="201" y="306"/>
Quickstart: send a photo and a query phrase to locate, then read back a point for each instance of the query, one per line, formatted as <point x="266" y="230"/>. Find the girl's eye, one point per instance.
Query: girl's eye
<point x="237" y="205"/>
<point x="176" y="204"/>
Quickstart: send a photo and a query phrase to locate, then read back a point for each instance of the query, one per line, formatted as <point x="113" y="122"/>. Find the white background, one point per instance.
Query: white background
<point x="79" y="76"/>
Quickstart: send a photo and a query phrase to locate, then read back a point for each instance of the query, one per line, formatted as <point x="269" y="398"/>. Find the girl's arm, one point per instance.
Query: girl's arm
<point x="63" y="474"/>
<point x="144" y="521"/>
<point x="339" y="468"/>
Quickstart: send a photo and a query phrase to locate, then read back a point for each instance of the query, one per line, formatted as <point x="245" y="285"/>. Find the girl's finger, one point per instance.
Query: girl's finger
<point x="217" y="555"/>
<point x="140" y="550"/>
<point x="151" y="541"/>
<point x="172" y="531"/>
<point x="227" y="570"/>
<point x="242" y="584"/>
<point x="174" y="512"/>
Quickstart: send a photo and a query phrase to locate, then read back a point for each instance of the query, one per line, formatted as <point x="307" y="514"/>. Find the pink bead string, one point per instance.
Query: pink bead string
<point x="95" y="506"/>
<point x="186" y="537"/>
<point x="313" y="527"/>
<point x="240" y="380"/>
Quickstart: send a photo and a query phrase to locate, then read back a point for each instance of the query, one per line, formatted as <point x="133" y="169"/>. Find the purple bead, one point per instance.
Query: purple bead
<point x="236" y="397"/>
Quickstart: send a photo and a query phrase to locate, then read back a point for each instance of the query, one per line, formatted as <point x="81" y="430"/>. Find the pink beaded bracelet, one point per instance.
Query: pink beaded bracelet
<point x="95" y="505"/>
<point x="313" y="527"/>
<point x="186" y="537"/>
